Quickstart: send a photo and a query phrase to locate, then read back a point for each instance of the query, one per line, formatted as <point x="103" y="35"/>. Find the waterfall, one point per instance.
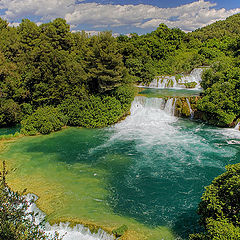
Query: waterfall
<point x="141" y="102"/>
<point x="79" y="232"/>
<point x="190" y="109"/>
<point x="237" y="126"/>
<point x="166" y="82"/>
<point x="169" y="106"/>
<point x="174" y="106"/>
<point x="178" y="82"/>
<point x="195" y="76"/>
<point x="148" y="115"/>
<point x="154" y="83"/>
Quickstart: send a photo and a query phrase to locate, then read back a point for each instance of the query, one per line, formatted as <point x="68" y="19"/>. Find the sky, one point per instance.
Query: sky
<point x="121" y="16"/>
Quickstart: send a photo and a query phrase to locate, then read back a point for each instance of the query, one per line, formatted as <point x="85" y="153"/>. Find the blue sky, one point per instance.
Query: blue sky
<point x="227" y="4"/>
<point x="121" y="16"/>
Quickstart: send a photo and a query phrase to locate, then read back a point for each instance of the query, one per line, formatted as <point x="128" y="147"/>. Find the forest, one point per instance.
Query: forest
<point x="87" y="81"/>
<point x="78" y="80"/>
<point x="51" y="77"/>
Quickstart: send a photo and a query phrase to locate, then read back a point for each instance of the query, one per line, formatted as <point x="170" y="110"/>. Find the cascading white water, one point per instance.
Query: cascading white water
<point x="148" y="115"/>
<point x="178" y="82"/>
<point x="79" y="232"/>
<point x="169" y="106"/>
<point x="190" y="109"/>
<point x="195" y="76"/>
<point x="166" y="106"/>
<point x="174" y="106"/>
<point x="237" y="126"/>
<point x="165" y="82"/>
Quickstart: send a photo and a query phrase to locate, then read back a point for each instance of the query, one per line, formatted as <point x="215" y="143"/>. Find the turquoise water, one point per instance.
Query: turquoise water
<point x="152" y="167"/>
<point x="12" y="130"/>
<point x="168" y="92"/>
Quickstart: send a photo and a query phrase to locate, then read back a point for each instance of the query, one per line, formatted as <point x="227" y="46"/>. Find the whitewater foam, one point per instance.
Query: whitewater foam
<point x="78" y="232"/>
<point x="179" y="81"/>
<point x="190" y="109"/>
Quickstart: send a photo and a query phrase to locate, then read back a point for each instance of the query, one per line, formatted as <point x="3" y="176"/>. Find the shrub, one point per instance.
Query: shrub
<point x="44" y="121"/>
<point x="92" y="113"/>
<point x="125" y="94"/>
<point x="190" y="84"/>
<point x="10" y="113"/>
<point x="220" y="207"/>
<point x="220" y="103"/>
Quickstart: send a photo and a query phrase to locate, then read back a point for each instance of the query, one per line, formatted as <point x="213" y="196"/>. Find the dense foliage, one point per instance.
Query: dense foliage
<point x="229" y="28"/>
<point x="220" y="207"/>
<point x="93" y="113"/>
<point x="16" y="223"/>
<point x="42" y="67"/>
<point x="221" y="98"/>
<point x="44" y="120"/>
<point x="48" y="65"/>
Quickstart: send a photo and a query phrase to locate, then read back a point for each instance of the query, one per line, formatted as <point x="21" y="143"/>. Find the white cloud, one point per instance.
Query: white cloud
<point x="95" y="33"/>
<point x="47" y="9"/>
<point x="188" y="17"/>
<point x="14" y="24"/>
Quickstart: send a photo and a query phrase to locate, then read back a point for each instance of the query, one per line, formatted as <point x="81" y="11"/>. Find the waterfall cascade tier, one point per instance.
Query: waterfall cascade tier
<point x="178" y="81"/>
<point x="161" y="104"/>
<point x="190" y="108"/>
<point x="166" y="107"/>
<point x="79" y="232"/>
<point x="237" y="127"/>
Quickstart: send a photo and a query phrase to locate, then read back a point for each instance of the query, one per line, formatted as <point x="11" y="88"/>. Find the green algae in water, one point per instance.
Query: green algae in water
<point x="147" y="172"/>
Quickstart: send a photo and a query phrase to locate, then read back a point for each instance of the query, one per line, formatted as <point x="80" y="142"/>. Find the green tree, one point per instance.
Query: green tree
<point x="105" y="67"/>
<point x="220" y="207"/>
<point x="10" y="113"/>
<point x="95" y="112"/>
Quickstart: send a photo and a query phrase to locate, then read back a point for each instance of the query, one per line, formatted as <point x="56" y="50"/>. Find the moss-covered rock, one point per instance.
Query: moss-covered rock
<point x="182" y="108"/>
<point x="190" y="84"/>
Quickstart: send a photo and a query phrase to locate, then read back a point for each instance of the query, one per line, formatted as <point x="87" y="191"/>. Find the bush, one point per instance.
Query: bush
<point x="26" y="109"/>
<point x="220" y="207"/>
<point x="16" y="223"/>
<point x="190" y="84"/>
<point x="220" y="102"/>
<point x="44" y="121"/>
<point x="10" y="112"/>
<point x="95" y="112"/>
<point x="125" y="94"/>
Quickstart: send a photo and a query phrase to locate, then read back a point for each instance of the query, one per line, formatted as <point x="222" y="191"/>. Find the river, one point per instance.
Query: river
<point x="148" y="171"/>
